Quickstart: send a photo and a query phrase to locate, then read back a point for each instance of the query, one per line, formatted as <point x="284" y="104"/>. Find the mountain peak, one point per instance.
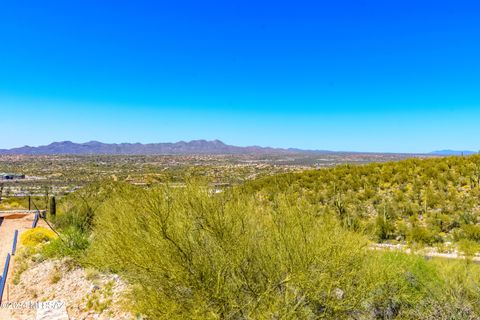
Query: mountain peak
<point x="449" y="152"/>
<point x="92" y="143"/>
<point x="182" y="147"/>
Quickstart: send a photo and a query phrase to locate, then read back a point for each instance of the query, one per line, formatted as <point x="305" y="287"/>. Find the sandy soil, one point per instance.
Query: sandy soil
<point x="20" y="222"/>
<point x="12" y="222"/>
<point x="83" y="294"/>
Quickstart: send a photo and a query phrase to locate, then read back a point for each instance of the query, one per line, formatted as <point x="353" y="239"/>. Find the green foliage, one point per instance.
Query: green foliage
<point x="454" y="295"/>
<point x="73" y="243"/>
<point x="101" y="299"/>
<point x="471" y="232"/>
<point x="468" y="247"/>
<point x="194" y="255"/>
<point x="421" y="235"/>
<point x="384" y="227"/>
<point x="56" y="275"/>
<point x="426" y="200"/>
<point x="78" y="209"/>
<point x="21" y="203"/>
<point x="400" y="283"/>
<point x="290" y="246"/>
<point x="22" y="261"/>
<point x="191" y="254"/>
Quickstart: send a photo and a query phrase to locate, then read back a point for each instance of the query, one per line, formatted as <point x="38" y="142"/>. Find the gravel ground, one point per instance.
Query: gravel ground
<point x="86" y="293"/>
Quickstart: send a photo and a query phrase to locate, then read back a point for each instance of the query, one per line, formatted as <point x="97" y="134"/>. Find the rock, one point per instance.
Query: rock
<point x="338" y="293"/>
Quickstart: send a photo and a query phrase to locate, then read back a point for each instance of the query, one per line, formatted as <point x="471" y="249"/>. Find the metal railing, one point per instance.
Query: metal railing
<point x="3" y="279"/>
<point x="14" y="245"/>
<point x="35" y="219"/>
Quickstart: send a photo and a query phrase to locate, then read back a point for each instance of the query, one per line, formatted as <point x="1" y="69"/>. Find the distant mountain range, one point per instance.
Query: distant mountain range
<point x="452" y="152"/>
<point x="176" y="148"/>
<point x="182" y="147"/>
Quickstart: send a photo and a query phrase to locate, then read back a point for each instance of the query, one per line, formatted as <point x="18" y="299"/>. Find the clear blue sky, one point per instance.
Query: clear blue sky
<point x="341" y="75"/>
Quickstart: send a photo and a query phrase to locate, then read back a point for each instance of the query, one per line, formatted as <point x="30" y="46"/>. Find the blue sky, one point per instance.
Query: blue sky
<point x="397" y="76"/>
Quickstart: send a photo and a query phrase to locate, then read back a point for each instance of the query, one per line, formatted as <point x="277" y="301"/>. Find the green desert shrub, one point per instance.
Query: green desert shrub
<point x="399" y="283"/>
<point x="190" y="254"/>
<point x="72" y="243"/>
<point x="195" y="255"/>
<point x="468" y="247"/>
<point x="78" y="209"/>
<point x="441" y="192"/>
<point x="422" y="235"/>
<point x="453" y="295"/>
<point x="472" y="232"/>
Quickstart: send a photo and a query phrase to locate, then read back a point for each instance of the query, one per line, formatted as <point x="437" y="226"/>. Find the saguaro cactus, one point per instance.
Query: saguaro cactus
<point x="53" y="206"/>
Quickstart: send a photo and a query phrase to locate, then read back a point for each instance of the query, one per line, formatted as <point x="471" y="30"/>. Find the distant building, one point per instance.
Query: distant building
<point x="11" y="176"/>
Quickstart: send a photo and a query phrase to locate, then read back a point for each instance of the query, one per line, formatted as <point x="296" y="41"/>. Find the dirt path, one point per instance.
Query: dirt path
<point x="55" y="289"/>
<point x="7" y="230"/>
<point x="12" y="222"/>
<point x="427" y="252"/>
